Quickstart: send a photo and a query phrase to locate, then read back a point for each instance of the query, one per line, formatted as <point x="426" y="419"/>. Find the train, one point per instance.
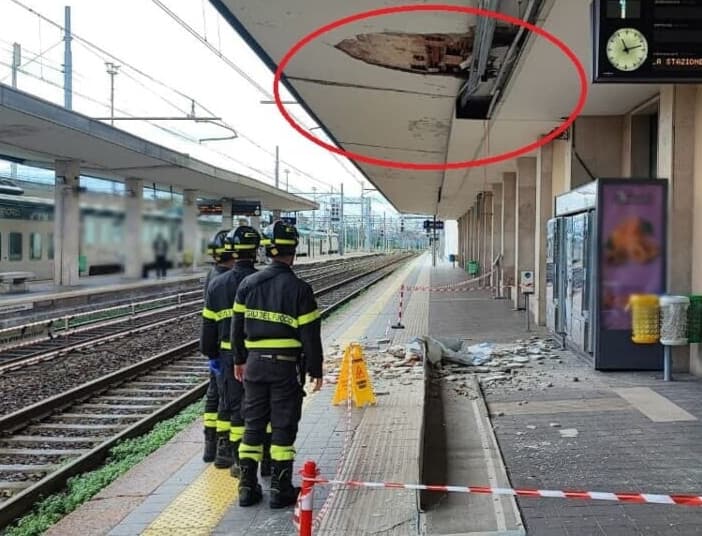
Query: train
<point x="27" y="231"/>
<point x="314" y="243"/>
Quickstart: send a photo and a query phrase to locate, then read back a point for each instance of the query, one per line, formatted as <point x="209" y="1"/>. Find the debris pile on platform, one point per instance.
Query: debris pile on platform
<point x="521" y="365"/>
<point x="401" y="363"/>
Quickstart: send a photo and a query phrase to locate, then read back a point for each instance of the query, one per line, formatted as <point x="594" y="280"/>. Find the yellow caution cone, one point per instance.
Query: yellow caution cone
<point x="354" y="375"/>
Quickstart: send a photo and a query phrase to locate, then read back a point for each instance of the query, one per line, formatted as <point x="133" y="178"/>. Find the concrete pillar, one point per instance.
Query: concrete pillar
<point x="227" y="216"/>
<point x="598" y="141"/>
<point x="544" y="211"/>
<point x="696" y="349"/>
<point x="476" y="233"/>
<point x="461" y="237"/>
<point x="496" y="238"/>
<point x="479" y="231"/>
<point x="67" y="225"/>
<point x="133" y="205"/>
<point x="627" y="133"/>
<point x="676" y="162"/>
<point x="487" y="237"/>
<point x="469" y="234"/>
<point x="562" y="167"/>
<point x="191" y="242"/>
<point x="525" y="221"/>
<point x="509" y="194"/>
<point x="255" y="222"/>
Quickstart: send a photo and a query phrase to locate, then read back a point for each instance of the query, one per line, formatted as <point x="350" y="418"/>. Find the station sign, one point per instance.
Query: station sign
<point x="526" y="282"/>
<point x="246" y="208"/>
<point x="209" y="209"/>
<point x="429" y="225"/>
<point x="647" y="41"/>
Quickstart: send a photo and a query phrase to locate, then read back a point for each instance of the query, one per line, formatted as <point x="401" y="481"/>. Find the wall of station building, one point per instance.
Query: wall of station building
<point x="661" y="138"/>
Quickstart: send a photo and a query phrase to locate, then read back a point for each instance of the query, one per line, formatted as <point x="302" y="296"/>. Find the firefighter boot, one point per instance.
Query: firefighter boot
<point x="235" y="470"/>
<point x="250" y="491"/>
<point x="210" y="445"/>
<point x="283" y="493"/>
<point x="266" y="461"/>
<point x="225" y="456"/>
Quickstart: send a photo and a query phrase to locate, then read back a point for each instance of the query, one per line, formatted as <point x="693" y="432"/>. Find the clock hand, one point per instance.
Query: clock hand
<point x="626" y="48"/>
<point x="637" y="46"/>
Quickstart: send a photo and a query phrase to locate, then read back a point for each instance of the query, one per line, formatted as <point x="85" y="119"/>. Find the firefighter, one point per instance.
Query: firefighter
<point x="215" y="248"/>
<point x="277" y="342"/>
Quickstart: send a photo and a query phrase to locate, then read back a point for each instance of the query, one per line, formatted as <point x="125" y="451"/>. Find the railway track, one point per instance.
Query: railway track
<point x="32" y="343"/>
<point x="45" y="444"/>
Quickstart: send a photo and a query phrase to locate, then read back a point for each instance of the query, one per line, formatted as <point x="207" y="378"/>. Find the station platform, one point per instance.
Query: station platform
<point x="535" y="417"/>
<point x="45" y="299"/>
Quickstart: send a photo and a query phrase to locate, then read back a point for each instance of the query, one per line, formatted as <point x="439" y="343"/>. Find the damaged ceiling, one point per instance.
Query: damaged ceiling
<point x="391" y="87"/>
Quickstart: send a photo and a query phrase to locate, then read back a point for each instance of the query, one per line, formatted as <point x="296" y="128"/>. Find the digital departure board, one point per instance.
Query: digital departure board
<point x="647" y="41"/>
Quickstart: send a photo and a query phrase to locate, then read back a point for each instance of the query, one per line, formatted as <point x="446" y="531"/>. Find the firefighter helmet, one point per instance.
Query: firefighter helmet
<point x="242" y="242"/>
<point x="215" y="247"/>
<point x="280" y="239"/>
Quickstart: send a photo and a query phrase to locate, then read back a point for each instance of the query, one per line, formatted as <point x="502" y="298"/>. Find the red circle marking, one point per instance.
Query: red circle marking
<point x="399" y="164"/>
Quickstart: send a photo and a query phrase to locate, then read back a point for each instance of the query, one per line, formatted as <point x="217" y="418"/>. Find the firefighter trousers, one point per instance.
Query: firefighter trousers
<point x="231" y="394"/>
<point x="211" y="402"/>
<point x="272" y="391"/>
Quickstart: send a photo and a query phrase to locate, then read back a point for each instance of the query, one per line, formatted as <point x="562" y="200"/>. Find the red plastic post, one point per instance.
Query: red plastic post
<point x="399" y="324"/>
<point x="309" y="473"/>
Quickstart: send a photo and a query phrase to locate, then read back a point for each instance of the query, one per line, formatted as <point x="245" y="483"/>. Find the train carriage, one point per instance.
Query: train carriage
<point x="27" y="232"/>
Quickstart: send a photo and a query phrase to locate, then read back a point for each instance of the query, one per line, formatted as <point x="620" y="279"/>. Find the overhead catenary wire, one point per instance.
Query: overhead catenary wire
<point x="237" y="69"/>
<point x="90" y="45"/>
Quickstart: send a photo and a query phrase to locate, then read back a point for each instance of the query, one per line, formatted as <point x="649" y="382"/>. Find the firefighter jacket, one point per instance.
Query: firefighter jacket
<point x="217" y="313"/>
<point x="276" y="312"/>
<point x="216" y="270"/>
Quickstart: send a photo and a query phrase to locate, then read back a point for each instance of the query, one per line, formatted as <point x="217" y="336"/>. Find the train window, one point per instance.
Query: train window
<point x="35" y="246"/>
<point x="50" y="247"/>
<point x="90" y="233"/>
<point x="15" y="249"/>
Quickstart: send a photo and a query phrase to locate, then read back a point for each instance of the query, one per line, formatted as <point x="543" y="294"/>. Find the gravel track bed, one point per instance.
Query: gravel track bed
<point x="32" y="384"/>
<point x="28" y="385"/>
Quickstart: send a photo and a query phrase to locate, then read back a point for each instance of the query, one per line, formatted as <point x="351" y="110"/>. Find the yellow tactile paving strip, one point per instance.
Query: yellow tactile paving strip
<point x="202" y="505"/>
<point x="198" y="509"/>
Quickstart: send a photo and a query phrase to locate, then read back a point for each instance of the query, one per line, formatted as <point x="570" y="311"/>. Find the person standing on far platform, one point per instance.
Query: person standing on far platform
<point x="160" y="252"/>
<point x="276" y="339"/>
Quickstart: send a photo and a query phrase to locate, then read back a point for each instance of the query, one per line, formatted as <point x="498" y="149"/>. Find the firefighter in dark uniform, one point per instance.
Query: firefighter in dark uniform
<point x="240" y="247"/>
<point x="277" y="342"/>
<point x="216" y="249"/>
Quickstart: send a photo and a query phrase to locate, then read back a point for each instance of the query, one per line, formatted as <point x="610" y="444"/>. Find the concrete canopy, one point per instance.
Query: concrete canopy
<point x="352" y="81"/>
<point x="38" y="133"/>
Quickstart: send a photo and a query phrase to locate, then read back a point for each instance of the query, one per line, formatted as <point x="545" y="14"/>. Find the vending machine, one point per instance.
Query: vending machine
<point x="606" y="242"/>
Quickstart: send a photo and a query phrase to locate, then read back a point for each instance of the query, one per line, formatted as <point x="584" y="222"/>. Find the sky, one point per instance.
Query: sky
<point x="163" y="67"/>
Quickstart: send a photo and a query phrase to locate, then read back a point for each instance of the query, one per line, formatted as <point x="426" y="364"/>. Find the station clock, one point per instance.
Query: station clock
<point x="647" y="41"/>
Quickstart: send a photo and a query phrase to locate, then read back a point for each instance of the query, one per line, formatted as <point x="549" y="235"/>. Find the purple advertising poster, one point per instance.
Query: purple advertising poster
<point x="632" y="247"/>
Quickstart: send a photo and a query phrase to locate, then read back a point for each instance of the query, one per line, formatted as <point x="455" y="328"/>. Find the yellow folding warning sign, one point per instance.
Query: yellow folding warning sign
<point x="354" y="376"/>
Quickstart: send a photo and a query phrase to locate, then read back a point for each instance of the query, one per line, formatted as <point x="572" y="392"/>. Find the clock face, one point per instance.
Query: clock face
<point x="627" y="49"/>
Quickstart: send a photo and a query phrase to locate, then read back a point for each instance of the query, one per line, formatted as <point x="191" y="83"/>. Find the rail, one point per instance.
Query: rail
<point x="155" y="389"/>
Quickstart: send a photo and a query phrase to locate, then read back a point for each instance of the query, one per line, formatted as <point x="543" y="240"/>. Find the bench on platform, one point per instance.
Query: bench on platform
<point x="15" y="281"/>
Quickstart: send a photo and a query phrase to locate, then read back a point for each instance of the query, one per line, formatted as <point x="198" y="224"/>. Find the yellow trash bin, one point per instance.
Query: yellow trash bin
<point x="645" y="318"/>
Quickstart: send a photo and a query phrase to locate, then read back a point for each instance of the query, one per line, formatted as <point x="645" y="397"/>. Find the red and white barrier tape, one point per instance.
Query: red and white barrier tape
<point x="636" y="498"/>
<point x="434" y="289"/>
<point x="449" y="288"/>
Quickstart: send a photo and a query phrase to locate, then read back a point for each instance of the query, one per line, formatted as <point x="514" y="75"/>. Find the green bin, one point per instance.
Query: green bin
<point x="473" y="268"/>
<point x="82" y="264"/>
<point x="694" y="319"/>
